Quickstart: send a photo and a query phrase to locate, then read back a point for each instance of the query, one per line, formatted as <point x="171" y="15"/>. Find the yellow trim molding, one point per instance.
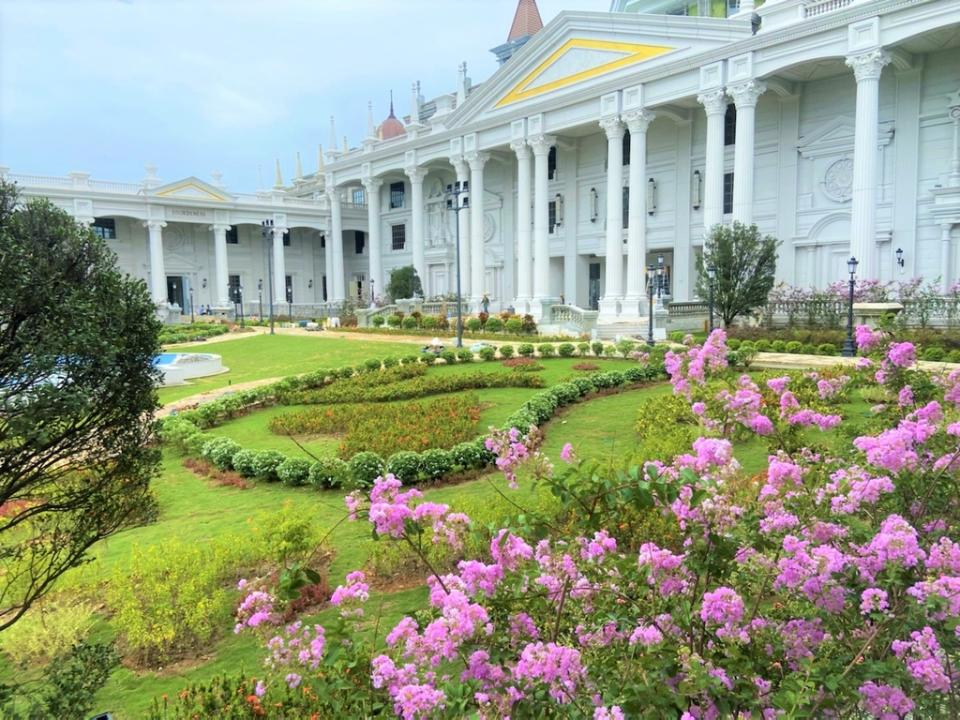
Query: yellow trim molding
<point x="633" y="53"/>
<point x="173" y="190"/>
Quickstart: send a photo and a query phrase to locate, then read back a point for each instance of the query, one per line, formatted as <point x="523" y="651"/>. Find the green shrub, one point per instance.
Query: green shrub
<point x="409" y="322"/>
<point x="364" y="468"/>
<point x="405" y="465"/>
<point x="934" y="354"/>
<point x="610" y="379"/>
<point x="266" y="464"/>
<point x="372" y="364"/>
<point x="747" y="346"/>
<point x="513" y="326"/>
<point x="734" y="343"/>
<point x="494" y="324"/>
<point x="565" y="350"/>
<point x="583" y="349"/>
<point x="464" y="355"/>
<point x="408" y="360"/>
<point x="676" y="336"/>
<point x="345" y="372"/>
<point x="220" y="452"/>
<point x="328" y="473"/>
<point x="245" y="462"/>
<point x="953" y="356"/>
<point x="390" y="362"/>
<point x="762" y="345"/>
<point x="436" y="463"/>
<point x="473" y="324"/>
<point x="584" y="385"/>
<point x="626" y="346"/>
<point x="394" y="320"/>
<point x="506" y="351"/>
<point x="487" y="353"/>
<point x="610" y="350"/>
<point x="294" y="471"/>
<point x="794" y="346"/>
<point x="808" y="349"/>
<point x="547" y="350"/>
<point x="429" y="322"/>
<point x="49" y="629"/>
<point x="666" y="427"/>
<point x="378" y="321"/>
<point x="825" y="349"/>
<point x="525" y="350"/>
<point x="448" y="356"/>
<point x="597" y="348"/>
<point x="778" y="346"/>
<point x="470" y="455"/>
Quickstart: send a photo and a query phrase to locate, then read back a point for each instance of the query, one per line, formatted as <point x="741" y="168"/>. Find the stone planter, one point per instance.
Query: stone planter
<point x="870" y="314"/>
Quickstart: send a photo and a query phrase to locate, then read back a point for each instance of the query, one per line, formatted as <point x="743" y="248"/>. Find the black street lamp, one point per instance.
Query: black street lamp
<point x="191" y="305"/>
<point x="290" y="304"/>
<point x="455" y="205"/>
<point x="373" y="296"/>
<point x="849" y="346"/>
<point x="266" y="231"/>
<point x="659" y="276"/>
<point x="711" y="279"/>
<point x="260" y="297"/>
<point x="240" y="298"/>
<point x="651" y="276"/>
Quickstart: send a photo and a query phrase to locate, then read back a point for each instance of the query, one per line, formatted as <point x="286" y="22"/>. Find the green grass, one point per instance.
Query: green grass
<point x="266" y="356"/>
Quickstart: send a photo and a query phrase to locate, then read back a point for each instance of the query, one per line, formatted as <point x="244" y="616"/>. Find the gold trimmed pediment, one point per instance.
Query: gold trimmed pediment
<point x="191" y="189"/>
<point x="579" y="59"/>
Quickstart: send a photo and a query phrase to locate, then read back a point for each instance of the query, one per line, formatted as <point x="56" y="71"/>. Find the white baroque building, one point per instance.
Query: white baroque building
<point x="602" y="142"/>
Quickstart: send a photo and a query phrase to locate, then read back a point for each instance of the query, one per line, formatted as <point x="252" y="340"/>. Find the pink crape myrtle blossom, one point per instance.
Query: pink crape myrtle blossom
<point x="866" y="338"/>
<point x="351" y="597"/>
<point x="902" y="355"/>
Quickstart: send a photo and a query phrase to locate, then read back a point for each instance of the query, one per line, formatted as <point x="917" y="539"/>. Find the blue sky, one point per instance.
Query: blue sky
<point x="193" y="86"/>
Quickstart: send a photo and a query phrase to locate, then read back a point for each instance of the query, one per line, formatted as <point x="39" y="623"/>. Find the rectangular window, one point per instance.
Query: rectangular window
<point x="552" y="163"/>
<point x="626" y="208"/>
<point x="105" y="228"/>
<point x="358" y="196"/>
<point x="626" y="147"/>
<point x="233" y="237"/>
<point x="398" y="234"/>
<point x="233" y="283"/>
<point x="288" y="281"/>
<point x="552" y="215"/>
<point x="359" y="241"/>
<point x="323" y="241"/>
<point x="727" y="193"/>
<point x="286" y="238"/>
<point x="396" y="195"/>
<point x="730" y="125"/>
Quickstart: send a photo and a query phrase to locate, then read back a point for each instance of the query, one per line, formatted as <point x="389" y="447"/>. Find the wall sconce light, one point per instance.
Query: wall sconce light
<point x="697" y="189"/>
<point x="594" y="204"/>
<point x="203" y="283"/>
<point x="559" y="201"/>
<point x="651" y="196"/>
<point x="310" y="283"/>
<point x="900" y="260"/>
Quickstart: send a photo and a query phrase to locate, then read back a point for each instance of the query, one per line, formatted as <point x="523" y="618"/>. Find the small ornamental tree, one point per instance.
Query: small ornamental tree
<point x="77" y="343"/>
<point x="404" y="283"/>
<point x="745" y="263"/>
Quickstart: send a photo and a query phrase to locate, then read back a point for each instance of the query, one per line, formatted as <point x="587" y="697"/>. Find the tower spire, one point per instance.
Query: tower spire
<point x="391" y="104"/>
<point x="526" y="21"/>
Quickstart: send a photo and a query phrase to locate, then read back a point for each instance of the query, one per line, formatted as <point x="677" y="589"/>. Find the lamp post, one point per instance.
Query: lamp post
<point x="266" y="231"/>
<point x="659" y="278"/>
<point x="711" y="279"/>
<point x="191" y="305"/>
<point x="651" y="276"/>
<point x="373" y="295"/>
<point x="260" y="298"/>
<point x="900" y="261"/>
<point x="240" y="298"/>
<point x="454" y="204"/>
<point x="290" y="304"/>
<point x="849" y="346"/>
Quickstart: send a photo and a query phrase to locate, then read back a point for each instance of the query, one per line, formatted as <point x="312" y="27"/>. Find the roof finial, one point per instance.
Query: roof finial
<point x="391" y="104"/>
<point x="278" y="178"/>
<point x="299" y="169"/>
<point x="371" y="128"/>
<point x="526" y="21"/>
<point x="333" y="135"/>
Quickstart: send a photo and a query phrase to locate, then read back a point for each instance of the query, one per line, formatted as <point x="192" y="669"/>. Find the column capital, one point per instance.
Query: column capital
<point x="746" y="94"/>
<point x="477" y="160"/>
<point x="334" y="194"/>
<point x="953" y="106"/>
<point x="638" y="120"/>
<point x="278" y="231"/>
<point x="520" y="147"/>
<point x="613" y="127"/>
<point x="541" y="144"/>
<point x="868" y="65"/>
<point x="415" y="173"/>
<point x="713" y="101"/>
<point x="220" y="227"/>
<point x="154" y="224"/>
<point x="371" y="184"/>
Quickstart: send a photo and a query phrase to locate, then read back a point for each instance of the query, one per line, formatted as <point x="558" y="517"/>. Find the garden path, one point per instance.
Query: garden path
<point x="210" y="395"/>
<point x="788" y="361"/>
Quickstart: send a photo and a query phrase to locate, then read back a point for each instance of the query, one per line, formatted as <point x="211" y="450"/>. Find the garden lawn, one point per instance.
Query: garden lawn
<point x="269" y="356"/>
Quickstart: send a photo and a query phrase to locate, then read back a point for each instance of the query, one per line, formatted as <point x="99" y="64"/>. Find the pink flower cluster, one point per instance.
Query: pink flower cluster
<point x="697" y="363"/>
<point x="256" y="609"/>
<point x="351" y="597"/>
<point x="298" y="647"/>
<point x="513" y="449"/>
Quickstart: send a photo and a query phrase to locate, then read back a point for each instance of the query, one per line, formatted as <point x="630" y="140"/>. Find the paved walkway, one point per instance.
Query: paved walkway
<point x="788" y="361"/>
<point x="210" y="395"/>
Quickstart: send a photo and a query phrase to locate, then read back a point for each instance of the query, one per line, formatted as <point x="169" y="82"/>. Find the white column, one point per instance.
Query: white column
<point x="540" y="145"/>
<point x="613" y="292"/>
<point x="637" y="123"/>
<point x="863" y="212"/>
<point x="279" y="269"/>
<point x="477" y="261"/>
<point x="158" y="276"/>
<point x="524" y="251"/>
<point x="463" y="218"/>
<point x="715" y="104"/>
<point x="221" y="276"/>
<point x="953" y="112"/>
<point x="416" y="175"/>
<point x="945" y="250"/>
<point x="335" y="281"/>
<point x="371" y="187"/>
<point x="745" y="96"/>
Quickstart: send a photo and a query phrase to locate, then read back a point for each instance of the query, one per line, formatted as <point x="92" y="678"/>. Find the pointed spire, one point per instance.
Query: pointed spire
<point x="321" y="167"/>
<point x="333" y="134"/>
<point x="461" y="83"/>
<point x="298" y="169"/>
<point x="371" y="128"/>
<point x="391" y="104"/>
<point x="278" y="178"/>
<point x="346" y="145"/>
<point x="526" y="21"/>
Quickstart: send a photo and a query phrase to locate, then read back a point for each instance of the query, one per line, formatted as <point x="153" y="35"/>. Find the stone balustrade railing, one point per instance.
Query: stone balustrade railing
<point x="923" y="312"/>
<point x="693" y="308"/>
<point x="583" y="320"/>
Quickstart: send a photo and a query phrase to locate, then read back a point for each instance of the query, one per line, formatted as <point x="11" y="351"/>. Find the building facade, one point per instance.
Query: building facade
<point x="604" y="142"/>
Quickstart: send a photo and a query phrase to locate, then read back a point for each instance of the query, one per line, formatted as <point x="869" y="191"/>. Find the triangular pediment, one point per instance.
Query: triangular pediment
<point x="191" y="188"/>
<point x="580" y="51"/>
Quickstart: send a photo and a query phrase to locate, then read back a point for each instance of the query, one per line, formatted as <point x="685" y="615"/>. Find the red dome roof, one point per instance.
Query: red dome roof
<point x="391" y="127"/>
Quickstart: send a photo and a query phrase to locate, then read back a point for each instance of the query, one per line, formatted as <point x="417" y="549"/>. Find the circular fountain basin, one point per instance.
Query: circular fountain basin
<point x="178" y="368"/>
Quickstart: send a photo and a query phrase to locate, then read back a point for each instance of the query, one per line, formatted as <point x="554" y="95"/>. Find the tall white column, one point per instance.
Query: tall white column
<point x="158" y="276"/>
<point x="613" y="292"/>
<point x="540" y="145"/>
<point x="463" y="219"/>
<point x="745" y="96"/>
<point x="637" y="123"/>
<point x="335" y="280"/>
<point x="416" y="175"/>
<point x="863" y="212"/>
<point x="715" y="104"/>
<point x="477" y="262"/>
<point x="953" y="112"/>
<point x="524" y="251"/>
<point x="371" y="187"/>
<point x="279" y="269"/>
<point x="221" y="278"/>
<point x="945" y="259"/>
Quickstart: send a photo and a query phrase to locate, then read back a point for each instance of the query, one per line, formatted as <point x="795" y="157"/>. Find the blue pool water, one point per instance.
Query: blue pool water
<point x="164" y="359"/>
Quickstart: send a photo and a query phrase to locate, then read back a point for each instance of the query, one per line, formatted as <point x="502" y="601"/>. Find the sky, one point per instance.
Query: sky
<point x="197" y="86"/>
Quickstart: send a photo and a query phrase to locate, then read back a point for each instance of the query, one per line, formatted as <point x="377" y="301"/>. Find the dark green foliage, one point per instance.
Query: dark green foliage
<point x="493" y="325"/>
<point x="364" y="468"/>
<point x="506" y="351"/>
<point x="525" y="350"/>
<point x="487" y="353"/>
<point x="77" y="342"/>
<point x="404" y="283"/>
<point x="546" y="350"/>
